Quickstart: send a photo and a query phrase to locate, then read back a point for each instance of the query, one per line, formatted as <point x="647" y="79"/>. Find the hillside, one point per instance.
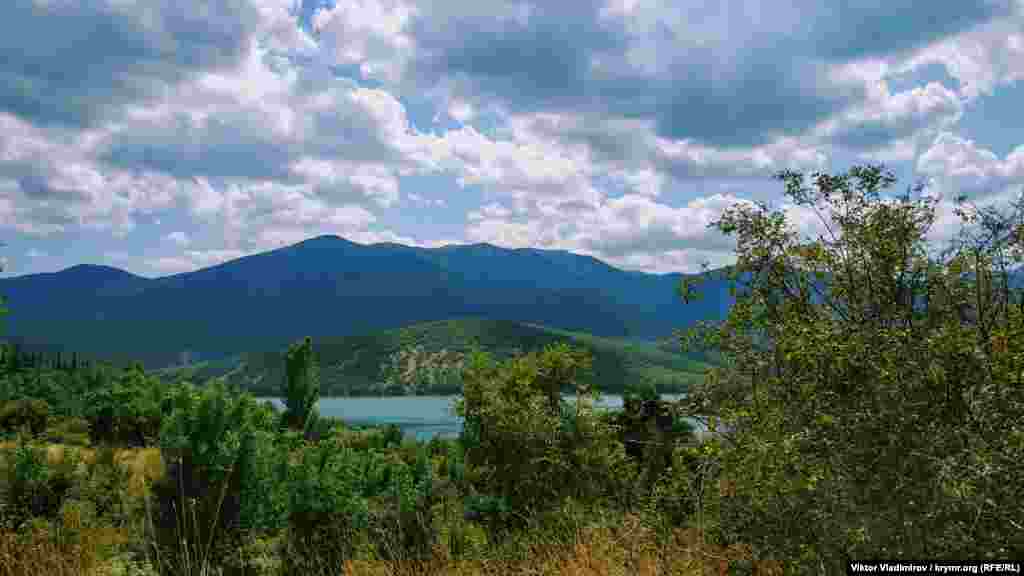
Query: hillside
<point x="351" y="365"/>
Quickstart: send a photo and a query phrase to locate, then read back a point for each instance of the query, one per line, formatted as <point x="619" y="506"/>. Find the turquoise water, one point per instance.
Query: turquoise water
<point x="421" y="416"/>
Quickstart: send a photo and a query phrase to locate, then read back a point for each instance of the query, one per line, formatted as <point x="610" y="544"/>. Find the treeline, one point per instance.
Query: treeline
<point x="13" y="358"/>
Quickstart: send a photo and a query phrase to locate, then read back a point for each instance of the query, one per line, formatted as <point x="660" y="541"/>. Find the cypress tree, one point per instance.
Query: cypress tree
<point x="302" y="384"/>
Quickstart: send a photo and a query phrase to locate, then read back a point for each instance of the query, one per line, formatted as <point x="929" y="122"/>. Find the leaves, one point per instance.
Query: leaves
<point x="302" y="384"/>
<point x="847" y="400"/>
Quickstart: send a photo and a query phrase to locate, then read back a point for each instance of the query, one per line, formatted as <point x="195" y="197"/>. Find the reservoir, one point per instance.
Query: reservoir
<point x="422" y="416"/>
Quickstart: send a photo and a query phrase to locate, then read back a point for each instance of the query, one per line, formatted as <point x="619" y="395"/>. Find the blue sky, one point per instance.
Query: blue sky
<point x="169" y="135"/>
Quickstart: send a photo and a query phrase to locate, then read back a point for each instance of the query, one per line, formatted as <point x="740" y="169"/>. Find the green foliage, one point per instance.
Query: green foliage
<point x="327" y="507"/>
<point x="415" y="371"/>
<point x="382" y="362"/>
<point x="871" y="391"/>
<point x="217" y="447"/>
<point x="128" y="410"/>
<point x="29" y="415"/>
<point x="302" y="385"/>
<point x="71" y="431"/>
<point x="103" y="485"/>
<point x="391" y="436"/>
<point x="404" y="529"/>
<point x="518" y="435"/>
<point x="31" y="488"/>
<point x="639" y="391"/>
<point x="263" y="479"/>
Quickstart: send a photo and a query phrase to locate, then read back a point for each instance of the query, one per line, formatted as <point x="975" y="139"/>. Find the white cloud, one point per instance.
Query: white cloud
<point x="604" y="127"/>
<point x="369" y="34"/>
<point x="959" y="166"/>
<point x="687" y="160"/>
<point x="178" y="238"/>
<point x="981" y="59"/>
<point x="885" y="119"/>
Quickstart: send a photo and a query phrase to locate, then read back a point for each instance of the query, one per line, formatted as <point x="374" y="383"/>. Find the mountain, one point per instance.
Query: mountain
<point x="328" y="286"/>
<point x="351" y="365"/>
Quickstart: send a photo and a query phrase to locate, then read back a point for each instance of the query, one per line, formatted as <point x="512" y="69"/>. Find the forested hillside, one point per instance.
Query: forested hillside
<point x="372" y="364"/>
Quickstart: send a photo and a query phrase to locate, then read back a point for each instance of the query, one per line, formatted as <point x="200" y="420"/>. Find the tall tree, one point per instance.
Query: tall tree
<point x="872" y="389"/>
<point x="302" y="385"/>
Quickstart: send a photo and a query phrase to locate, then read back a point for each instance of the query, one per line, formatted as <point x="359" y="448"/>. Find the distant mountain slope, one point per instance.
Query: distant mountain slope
<point x="329" y="286"/>
<point x="351" y="365"/>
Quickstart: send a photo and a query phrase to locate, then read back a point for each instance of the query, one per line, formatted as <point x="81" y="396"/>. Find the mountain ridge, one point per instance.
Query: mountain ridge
<point x="330" y="286"/>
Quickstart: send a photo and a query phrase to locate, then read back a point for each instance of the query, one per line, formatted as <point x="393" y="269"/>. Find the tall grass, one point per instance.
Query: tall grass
<point x="190" y="556"/>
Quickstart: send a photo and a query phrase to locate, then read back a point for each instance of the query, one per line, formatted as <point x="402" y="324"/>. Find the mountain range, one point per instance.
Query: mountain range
<point x="328" y="286"/>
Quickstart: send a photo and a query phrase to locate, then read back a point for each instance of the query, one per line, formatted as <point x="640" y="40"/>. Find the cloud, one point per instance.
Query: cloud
<point x="891" y="117"/>
<point x="855" y="30"/>
<point x="193" y="259"/>
<point x="729" y="74"/>
<point x="111" y="53"/>
<point x="959" y="166"/>
<point x="367" y="34"/>
<point x="178" y="238"/>
<point x="615" y="128"/>
<point x="981" y="59"/>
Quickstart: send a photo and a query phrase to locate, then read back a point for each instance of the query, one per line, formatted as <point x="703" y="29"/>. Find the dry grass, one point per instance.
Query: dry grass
<point x="36" y="552"/>
<point x="144" y="464"/>
<point x="627" y="550"/>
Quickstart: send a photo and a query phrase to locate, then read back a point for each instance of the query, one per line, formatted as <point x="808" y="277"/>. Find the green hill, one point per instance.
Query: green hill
<point x="352" y="365"/>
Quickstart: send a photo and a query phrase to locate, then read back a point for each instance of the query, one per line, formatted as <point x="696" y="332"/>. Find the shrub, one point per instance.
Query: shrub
<point x="212" y="444"/>
<point x="126" y="411"/>
<point x="528" y="447"/>
<point x="28" y="490"/>
<point x="871" y="387"/>
<point x="104" y="484"/>
<point x="326" y="508"/>
<point x="72" y="431"/>
<point x="24" y="414"/>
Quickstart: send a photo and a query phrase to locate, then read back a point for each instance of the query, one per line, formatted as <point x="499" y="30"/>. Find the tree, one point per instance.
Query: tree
<point x="872" y="390"/>
<point x="301" y="386"/>
<point x="3" y="309"/>
<point x="533" y="453"/>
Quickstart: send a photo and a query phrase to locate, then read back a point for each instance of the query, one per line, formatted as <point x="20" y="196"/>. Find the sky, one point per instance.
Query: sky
<point x="164" y="136"/>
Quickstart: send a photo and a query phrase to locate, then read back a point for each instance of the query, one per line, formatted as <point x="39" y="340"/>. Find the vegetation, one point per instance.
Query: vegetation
<point x="426" y="359"/>
<point x="873" y="390"/>
<point x="868" y="405"/>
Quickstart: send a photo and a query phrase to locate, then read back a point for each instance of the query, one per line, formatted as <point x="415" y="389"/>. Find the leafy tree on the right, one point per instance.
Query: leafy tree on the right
<point x="871" y="386"/>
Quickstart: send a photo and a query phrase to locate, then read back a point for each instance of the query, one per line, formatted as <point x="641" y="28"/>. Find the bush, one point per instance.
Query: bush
<point x="127" y="411"/>
<point x="104" y="484"/>
<point x="529" y="447"/>
<point x="326" y="508"/>
<point x="24" y="414"/>
<point x="71" y="431"/>
<point x="404" y="528"/>
<point x="871" y="387"/>
<point x="29" y="492"/>
<point x="215" y="455"/>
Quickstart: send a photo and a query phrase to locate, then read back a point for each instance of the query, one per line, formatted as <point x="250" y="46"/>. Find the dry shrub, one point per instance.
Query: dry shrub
<point x="36" y="552"/>
<point x="624" y="548"/>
